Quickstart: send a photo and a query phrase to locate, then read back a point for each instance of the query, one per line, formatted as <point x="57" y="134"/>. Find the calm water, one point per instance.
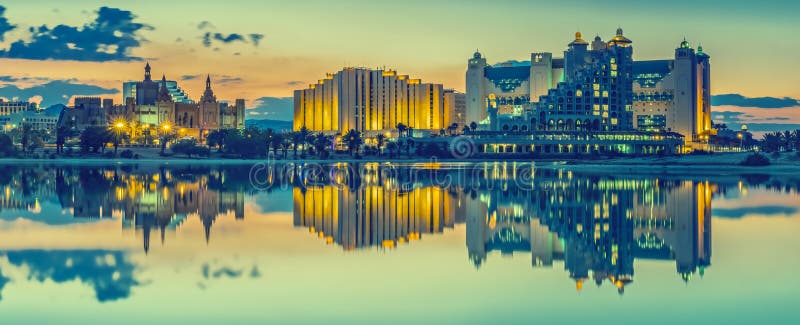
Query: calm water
<point x="394" y="244"/>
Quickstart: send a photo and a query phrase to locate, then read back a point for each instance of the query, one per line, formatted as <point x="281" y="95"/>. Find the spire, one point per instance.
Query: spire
<point x="163" y="92"/>
<point x="208" y="95"/>
<point x="147" y="72"/>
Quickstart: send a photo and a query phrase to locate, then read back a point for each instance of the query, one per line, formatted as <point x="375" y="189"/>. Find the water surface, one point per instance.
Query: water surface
<point x="409" y="243"/>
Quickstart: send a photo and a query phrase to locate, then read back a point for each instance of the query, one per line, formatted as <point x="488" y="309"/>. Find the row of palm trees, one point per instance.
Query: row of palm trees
<point x="781" y="141"/>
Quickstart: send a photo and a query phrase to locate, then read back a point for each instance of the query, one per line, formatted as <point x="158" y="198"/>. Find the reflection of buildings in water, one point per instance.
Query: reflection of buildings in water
<point x="598" y="227"/>
<point x="162" y="201"/>
<point x="373" y="215"/>
<point x="146" y="199"/>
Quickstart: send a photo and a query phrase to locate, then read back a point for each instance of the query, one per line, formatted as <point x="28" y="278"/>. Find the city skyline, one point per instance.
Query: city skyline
<point x="261" y="52"/>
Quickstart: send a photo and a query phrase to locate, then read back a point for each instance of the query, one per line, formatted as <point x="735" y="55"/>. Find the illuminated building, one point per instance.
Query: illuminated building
<point x="166" y="107"/>
<point x="675" y="95"/>
<point x="455" y="108"/>
<point x="8" y="108"/>
<point x="595" y="86"/>
<point x="370" y="101"/>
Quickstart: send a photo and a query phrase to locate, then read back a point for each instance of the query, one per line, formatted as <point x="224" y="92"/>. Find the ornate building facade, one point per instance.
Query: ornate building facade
<point x="154" y="104"/>
<point x="595" y="86"/>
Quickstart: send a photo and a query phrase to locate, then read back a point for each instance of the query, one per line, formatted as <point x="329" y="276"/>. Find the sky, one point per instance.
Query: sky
<point x="51" y="51"/>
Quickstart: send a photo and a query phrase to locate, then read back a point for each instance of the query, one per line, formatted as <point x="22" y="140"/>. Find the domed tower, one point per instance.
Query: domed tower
<point x="575" y="56"/>
<point x="476" y="92"/>
<point x="620" y="40"/>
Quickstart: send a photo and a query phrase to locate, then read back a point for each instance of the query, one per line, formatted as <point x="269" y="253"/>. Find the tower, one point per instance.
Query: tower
<point x="163" y="92"/>
<point x="476" y="107"/>
<point x="541" y="79"/>
<point x="147" y="72"/>
<point x="686" y="117"/>
<point x="208" y="94"/>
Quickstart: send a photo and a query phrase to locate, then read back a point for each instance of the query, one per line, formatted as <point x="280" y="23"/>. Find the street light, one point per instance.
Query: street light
<point x="166" y="128"/>
<point x="118" y="126"/>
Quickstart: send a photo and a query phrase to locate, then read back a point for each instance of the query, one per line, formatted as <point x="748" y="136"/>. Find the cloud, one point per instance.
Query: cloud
<point x="110" y="37"/>
<point x="190" y="77"/>
<point x="758" y="102"/>
<point x="742" y="117"/>
<point x="211" y="37"/>
<point x="256" y="38"/>
<point x="768" y="211"/>
<point x="205" y="24"/>
<point x="273" y="108"/>
<point x="109" y="273"/>
<point x="5" y="26"/>
<point x="55" y="92"/>
<point x="225" y="79"/>
<point x="295" y="83"/>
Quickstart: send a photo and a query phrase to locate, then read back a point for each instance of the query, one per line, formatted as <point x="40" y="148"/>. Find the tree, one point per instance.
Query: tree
<point x="401" y="129"/>
<point x="391" y="147"/>
<point x="772" y="142"/>
<point x="473" y="126"/>
<point x="216" y="138"/>
<point x="321" y="143"/>
<point x="380" y="139"/>
<point x="353" y="140"/>
<point x="286" y="142"/>
<point x="6" y="146"/>
<point x="189" y="148"/>
<point x="95" y="138"/>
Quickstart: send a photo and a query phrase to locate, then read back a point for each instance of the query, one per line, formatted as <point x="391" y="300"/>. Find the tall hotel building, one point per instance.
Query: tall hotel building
<point x="369" y="101"/>
<point x="595" y="86"/>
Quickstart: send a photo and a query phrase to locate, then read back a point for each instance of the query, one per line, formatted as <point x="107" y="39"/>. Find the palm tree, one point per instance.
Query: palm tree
<point x="275" y="141"/>
<point x="380" y="139"/>
<point x="305" y="134"/>
<point x="401" y="129"/>
<point x="391" y="147"/>
<point x="321" y="142"/>
<point x="473" y="126"/>
<point x="286" y="142"/>
<point x="297" y="139"/>
<point x="354" y="141"/>
<point x="409" y="145"/>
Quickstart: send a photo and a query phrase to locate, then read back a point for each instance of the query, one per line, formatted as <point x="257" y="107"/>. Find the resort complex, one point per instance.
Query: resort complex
<point x="594" y="99"/>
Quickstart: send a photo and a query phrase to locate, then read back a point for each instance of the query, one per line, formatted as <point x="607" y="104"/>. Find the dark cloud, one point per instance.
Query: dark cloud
<point x="190" y="77"/>
<point x="769" y="211"/>
<point x="256" y="38"/>
<point x="254" y="273"/>
<point x="295" y="83"/>
<point x="55" y="92"/>
<point x="741" y="117"/>
<point x="210" y="37"/>
<point x="205" y="24"/>
<point x="109" y="273"/>
<point x="5" y="26"/>
<point x="3" y="281"/>
<point x="110" y="37"/>
<point x="9" y="79"/>
<point x="227" y="80"/>
<point x="273" y="108"/>
<point x="759" y="102"/>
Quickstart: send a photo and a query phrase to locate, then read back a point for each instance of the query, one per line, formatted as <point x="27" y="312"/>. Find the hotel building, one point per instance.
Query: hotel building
<point x="595" y="86"/>
<point x="370" y="101"/>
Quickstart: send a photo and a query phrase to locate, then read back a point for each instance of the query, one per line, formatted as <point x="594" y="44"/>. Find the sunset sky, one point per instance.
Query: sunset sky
<point x="261" y="51"/>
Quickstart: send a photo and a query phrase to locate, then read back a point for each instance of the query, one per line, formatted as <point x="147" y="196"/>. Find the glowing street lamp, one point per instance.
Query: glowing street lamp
<point x="118" y="126"/>
<point x="165" y="128"/>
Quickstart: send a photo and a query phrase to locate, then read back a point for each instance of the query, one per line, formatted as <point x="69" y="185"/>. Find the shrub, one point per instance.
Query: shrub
<point x="127" y="154"/>
<point x="776" y="155"/>
<point x="756" y="160"/>
<point x="136" y="156"/>
<point x="109" y="154"/>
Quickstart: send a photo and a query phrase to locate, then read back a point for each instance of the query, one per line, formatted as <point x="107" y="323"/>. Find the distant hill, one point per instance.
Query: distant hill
<point x="276" y="125"/>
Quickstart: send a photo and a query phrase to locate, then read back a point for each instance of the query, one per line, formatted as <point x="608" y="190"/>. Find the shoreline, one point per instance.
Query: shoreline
<point x="721" y="164"/>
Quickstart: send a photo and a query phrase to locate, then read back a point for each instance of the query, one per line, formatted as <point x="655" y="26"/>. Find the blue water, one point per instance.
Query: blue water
<point x="413" y="243"/>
